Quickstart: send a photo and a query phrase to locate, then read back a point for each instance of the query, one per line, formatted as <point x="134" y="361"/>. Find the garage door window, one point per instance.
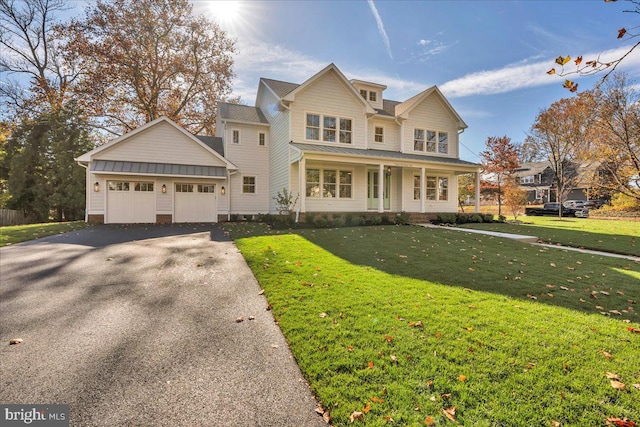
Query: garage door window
<point x="206" y="188"/>
<point x="184" y="188"/>
<point x="118" y="186"/>
<point x="143" y="186"/>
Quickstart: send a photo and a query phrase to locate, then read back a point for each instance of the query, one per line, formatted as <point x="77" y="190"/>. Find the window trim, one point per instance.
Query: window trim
<point x="437" y="188"/>
<point x="337" y="183"/>
<point x="375" y="96"/>
<point x="262" y="139"/>
<point x="233" y="136"/>
<point x="375" y="134"/>
<point x="417" y="179"/>
<point x="255" y="184"/>
<point x="321" y="128"/>
<point x="426" y="141"/>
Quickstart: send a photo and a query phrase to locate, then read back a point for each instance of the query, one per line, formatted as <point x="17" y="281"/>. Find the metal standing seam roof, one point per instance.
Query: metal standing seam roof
<point x="156" y="168"/>
<point x="395" y="155"/>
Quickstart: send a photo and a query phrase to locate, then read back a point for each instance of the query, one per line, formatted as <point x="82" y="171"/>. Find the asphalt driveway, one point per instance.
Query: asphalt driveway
<point x="136" y="325"/>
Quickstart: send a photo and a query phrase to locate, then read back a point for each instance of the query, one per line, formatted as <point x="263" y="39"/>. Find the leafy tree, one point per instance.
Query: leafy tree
<point x="614" y="143"/>
<point x="515" y="198"/>
<point x="146" y="58"/>
<point x="500" y="159"/>
<point x="466" y="188"/>
<point x="31" y="49"/>
<point x="559" y="133"/>
<point x="597" y="65"/>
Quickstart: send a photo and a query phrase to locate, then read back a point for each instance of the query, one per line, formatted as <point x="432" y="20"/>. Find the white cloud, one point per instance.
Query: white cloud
<point x="423" y="42"/>
<point x="524" y="75"/>
<point x="381" y="30"/>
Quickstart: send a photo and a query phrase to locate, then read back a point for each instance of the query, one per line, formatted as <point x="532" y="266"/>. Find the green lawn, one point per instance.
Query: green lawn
<point x="617" y="236"/>
<point x="401" y="323"/>
<point x="21" y="233"/>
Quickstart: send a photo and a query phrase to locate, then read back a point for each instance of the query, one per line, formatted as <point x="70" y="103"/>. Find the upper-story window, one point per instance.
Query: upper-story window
<point x="363" y="93"/>
<point x="236" y="137"/>
<point x="378" y="134"/>
<point x="526" y="179"/>
<point x="261" y="139"/>
<point x="430" y="141"/>
<point x="333" y="128"/>
<point x="373" y="96"/>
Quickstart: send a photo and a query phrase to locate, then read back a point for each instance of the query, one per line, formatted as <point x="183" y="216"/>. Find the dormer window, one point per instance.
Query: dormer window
<point x="363" y="93"/>
<point x="373" y="96"/>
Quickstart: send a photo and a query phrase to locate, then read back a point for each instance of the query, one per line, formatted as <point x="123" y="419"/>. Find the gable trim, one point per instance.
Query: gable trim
<point x="403" y="109"/>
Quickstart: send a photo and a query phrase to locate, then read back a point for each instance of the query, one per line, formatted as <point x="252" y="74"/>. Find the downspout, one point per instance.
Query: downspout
<point x="229" y="192"/>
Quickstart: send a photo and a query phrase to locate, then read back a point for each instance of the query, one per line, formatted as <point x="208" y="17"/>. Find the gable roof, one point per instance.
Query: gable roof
<point x="404" y="108"/>
<point x="213" y="142"/>
<point x="291" y="96"/>
<point x="88" y="156"/>
<point x="279" y="87"/>
<point x="241" y="113"/>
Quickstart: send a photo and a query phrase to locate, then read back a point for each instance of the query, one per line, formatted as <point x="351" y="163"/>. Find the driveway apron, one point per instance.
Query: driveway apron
<point x="136" y="325"/>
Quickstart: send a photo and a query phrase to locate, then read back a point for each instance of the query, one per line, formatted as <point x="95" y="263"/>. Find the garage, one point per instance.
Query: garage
<point x="195" y="203"/>
<point x="131" y="202"/>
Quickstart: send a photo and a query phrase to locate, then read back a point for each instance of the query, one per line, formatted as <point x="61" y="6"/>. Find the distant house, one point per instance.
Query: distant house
<point x="337" y="144"/>
<point x="538" y="179"/>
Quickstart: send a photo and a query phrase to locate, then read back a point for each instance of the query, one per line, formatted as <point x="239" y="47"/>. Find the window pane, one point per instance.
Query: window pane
<point x="373" y="96"/>
<point x="345" y="124"/>
<point x="443" y="186"/>
<point x="418" y="140"/>
<point x="431" y="188"/>
<point x="313" y="134"/>
<point x="363" y="93"/>
<point x="431" y="141"/>
<point x="379" y="134"/>
<point x="313" y="127"/>
<point x="236" y="136"/>
<point x="329" y="183"/>
<point x="329" y="135"/>
<point x="313" y="182"/>
<point x="261" y="139"/>
<point x="313" y="120"/>
<point x="345" y="184"/>
<point x="416" y="187"/>
<point x="205" y="188"/>
<point x="329" y="122"/>
<point x="443" y="142"/>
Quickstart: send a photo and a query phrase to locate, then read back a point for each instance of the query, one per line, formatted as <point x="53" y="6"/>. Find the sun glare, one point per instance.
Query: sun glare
<point x="226" y="12"/>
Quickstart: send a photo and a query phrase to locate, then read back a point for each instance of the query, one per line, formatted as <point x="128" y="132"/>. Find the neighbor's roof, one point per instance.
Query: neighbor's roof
<point x="213" y="142"/>
<point x="383" y="154"/>
<point x="241" y="113"/>
<point x="140" y="168"/>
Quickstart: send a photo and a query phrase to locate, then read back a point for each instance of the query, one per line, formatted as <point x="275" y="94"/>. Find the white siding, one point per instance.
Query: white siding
<point x="278" y="146"/>
<point x="391" y="135"/>
<point x="161" y="143"/>
<point x="328" y="95"/>
<point x="433" y="115"/>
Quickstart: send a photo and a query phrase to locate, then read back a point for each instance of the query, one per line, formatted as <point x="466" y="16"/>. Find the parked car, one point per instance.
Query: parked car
<point x="576" y="204"/>
<point x="553" y="208"/>
<point x="594" y="204"/>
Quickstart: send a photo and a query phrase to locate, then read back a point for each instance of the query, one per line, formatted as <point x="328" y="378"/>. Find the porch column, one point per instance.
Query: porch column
<point x="477" y="192"/>
<point x="423" y="190"/>
<point x="302" y="188"/>
<point x="381" y="188"/>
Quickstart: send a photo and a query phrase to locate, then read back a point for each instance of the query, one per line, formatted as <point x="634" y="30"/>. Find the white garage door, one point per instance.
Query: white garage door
<point x="195" y="203"/>
<point x="130" y="202"/>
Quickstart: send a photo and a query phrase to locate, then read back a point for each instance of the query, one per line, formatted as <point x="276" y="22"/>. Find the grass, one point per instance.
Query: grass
<point x="619" y="236"/>
<point x="21" y="233"/>
<point x="510" y="334"/>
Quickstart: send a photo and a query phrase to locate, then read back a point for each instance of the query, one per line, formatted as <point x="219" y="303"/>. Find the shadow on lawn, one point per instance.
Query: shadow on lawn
<point x="588" y="283"/>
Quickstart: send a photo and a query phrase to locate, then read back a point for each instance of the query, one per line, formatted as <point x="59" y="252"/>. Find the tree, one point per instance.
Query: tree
<point x="515" y="198"/>
<point x="614" y="143"/>
<point x="559" y="132"/>
<point x="31" y="50"/>
<point x="148" y="58"/>
<point x="597" y="65"/>
<point x="466" y="188"/>
<point x="500" y="158"/>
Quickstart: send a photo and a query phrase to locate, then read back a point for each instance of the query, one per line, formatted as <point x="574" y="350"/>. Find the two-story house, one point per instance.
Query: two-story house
<point x="335" y="143"/>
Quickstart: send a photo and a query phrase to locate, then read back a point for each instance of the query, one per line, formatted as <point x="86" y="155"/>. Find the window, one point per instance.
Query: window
<point x="329" y="183"/>
<point x="378" y="134"/>
<point x="334" y="183"/>
<point x="363" y="93"/>
<point x="437" y="188"/>
<point x="434" y="141"/>
<point x="249" y="184"/>
<point x="431" y="188"/>
<point x="443" y="188"/>
<point x="184" y="188"/>
<point x="329" y="131"/>
<point x="206" y="188"/>
<point x="261" y="140"/>
<point x="526" y="179"/>
<point x="333" y="128"/>
<point x="443" y="142"/>
<point x="143" y="186"/>
<point x="418" y="140"/>
<point x="345" y="184"/>
<point x="236" y="137"/>
<point x="345" y="131"/>
<point x="373" y="96"/>
<point x="118" y="186"/>
<point x="416" y="187"/>
<point x="313" y="182"/>
<point x="431" y="141"/>
<point x="313" y="127"/>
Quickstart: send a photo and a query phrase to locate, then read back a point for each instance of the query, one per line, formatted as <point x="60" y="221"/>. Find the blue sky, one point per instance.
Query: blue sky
<point x="488" y="57"/>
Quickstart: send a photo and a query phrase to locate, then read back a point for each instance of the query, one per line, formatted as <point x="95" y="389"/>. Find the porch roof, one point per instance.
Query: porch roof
<point x="380" y="154"/>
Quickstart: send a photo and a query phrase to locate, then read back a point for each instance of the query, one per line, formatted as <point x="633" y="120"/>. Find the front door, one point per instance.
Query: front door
<point x="373" y="190"/>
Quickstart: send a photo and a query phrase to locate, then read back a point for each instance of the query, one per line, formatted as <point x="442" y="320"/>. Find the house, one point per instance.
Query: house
<point x="337" y="144"/>
<point x="538" y="178"/>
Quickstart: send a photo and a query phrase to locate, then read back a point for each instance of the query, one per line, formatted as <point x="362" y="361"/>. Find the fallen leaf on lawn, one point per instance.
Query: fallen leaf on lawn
<point x="15" y="341"/>
<point x="323" y="315"/>
<point x="599" y="307"/>
<point x="240" y="319"/>
<point x="252" y="317"/>
<point x="633" y="330"/>
<point x="445" y="395"/>
<point x="319" y="410"/>
<point x="393" y="358"/>
<point x="617" y="385"/>
<point x="564" y="288"/>
<point x="620" y="422"/>
<point x="605" y="354"/>
<point x="604" y="292"/>
<point x="532" y="296"/>
<point x="552" y="264"/>
<point x="367" y="407"/>
<point x="350" y="348"/>
<point x="555" y="423"/>
<point x="636" y="386"/>
<point x="261" y="292"/>
<point x="612" y="376"/>
<point x="326" y="417"/>
<point x="429" y="421"/>
<point x="530" y="365"/>
<point x="377" y="399"/>
<point x="471" y="306"/>
<point x="469" y="328"/>
<point x="438" y="336"/>
<point x="388" y="338"/>
<point x="433" y="398"/>
<point x="615" y="312"/>
<point x="356" y="416"/>
<point x="388" y="419"/>
<point x="450" y="413"/>
<point x="462" y="378"/>
<point x="370" y="365"/>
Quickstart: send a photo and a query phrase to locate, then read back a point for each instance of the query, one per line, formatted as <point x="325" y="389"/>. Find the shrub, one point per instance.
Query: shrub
<point x="462" y="218"/>
<point x="402" y="218"/>
<point x="309" y="219"/>
<point x="445" y="218"/>
<point x="386" y="220"/>
<point x="357" y="221"/>
<point x="487" y="218"/>
<point x="502" y="218"/>
<point x="338" y="222"/>
<point x="375" y="220"/>
<point x="321" y="221"/>
<point x="233" y="217"/>
<point x="349" y="219"/>
<point x="475" y="218"/>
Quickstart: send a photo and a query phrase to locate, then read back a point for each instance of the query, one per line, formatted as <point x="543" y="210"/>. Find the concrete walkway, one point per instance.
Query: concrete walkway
<point x="136" y="325"/>
<point x="534" y="241"/>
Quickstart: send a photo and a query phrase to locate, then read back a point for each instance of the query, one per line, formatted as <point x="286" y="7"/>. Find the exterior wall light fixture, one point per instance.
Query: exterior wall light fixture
<point x="164" y="188"/>
<point x="96" y="187"/>
<point x="223" y="191"/>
